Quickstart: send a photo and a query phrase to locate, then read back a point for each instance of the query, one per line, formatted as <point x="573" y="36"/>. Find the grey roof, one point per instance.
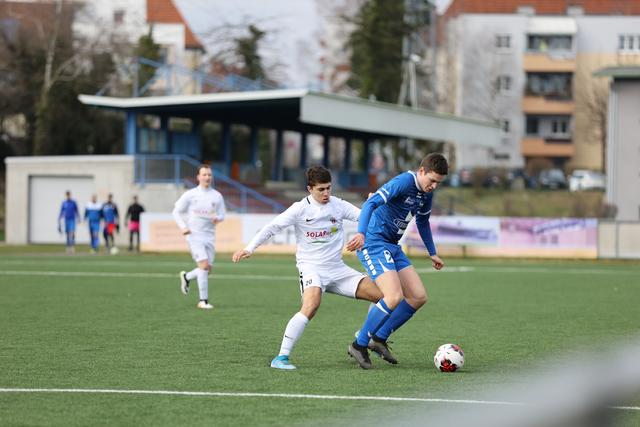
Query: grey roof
<point x="630" y="72"/>
<point x="312" y="112"/>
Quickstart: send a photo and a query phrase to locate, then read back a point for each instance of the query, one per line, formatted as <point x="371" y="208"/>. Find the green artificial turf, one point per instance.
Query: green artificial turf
<point x="120" y="323"/>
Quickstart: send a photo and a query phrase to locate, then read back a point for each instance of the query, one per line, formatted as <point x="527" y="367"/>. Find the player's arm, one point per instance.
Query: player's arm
<point x="179" y="209"/>
<point x="221" y="211"/>
<point x="424" y="228"/>
<point x="282" y="221"/>
<point x="387" y="192"/>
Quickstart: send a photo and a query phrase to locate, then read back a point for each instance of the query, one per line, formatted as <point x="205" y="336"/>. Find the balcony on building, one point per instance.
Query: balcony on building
<point x="550" y="45"/>
<point x="547" y="136"/>
<point x="548" y="93"/>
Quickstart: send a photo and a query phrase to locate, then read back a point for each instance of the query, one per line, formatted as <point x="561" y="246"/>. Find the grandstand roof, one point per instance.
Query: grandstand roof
<point x="311" y="112"/>
<point x="165" y="12"/>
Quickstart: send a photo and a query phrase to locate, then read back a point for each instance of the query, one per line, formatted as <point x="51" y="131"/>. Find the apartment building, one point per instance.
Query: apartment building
<point x="529" y="64"/>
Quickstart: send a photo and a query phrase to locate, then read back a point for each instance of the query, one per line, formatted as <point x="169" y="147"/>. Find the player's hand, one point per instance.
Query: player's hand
<point x="186" y="231"/>
<point x="241" y="254"/>
<point x="59" y="229"/>
<point x="215" y="220"/>
<point x="356" y="242"/>
<point x="118" y="228"/>
<point x="437" y="262"/>
<point x="370" y="195"/>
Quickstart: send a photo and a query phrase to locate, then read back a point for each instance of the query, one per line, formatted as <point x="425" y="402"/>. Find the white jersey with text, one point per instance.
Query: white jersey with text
<point x="200" y="205"/>
<point x="318" y="228"/>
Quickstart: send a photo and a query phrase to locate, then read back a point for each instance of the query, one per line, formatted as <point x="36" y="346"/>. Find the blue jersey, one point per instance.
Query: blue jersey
<point x="69" y="210"/>
<point x="110" y="213"/>
<point x="386" y="214"/>
<point x="93" y="212"/>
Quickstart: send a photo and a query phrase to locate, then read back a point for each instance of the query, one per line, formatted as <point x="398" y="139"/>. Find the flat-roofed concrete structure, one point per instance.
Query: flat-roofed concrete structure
<point x="623" y="141"/>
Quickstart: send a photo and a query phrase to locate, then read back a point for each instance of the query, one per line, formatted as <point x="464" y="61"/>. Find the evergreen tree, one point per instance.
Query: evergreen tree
<point x="147" y="48"/>
<point x="376" y="49"/>
<point x="247" y="50"/>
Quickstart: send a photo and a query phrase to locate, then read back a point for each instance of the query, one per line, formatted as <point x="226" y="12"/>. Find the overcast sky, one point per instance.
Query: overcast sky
<point x="291" y="48"/>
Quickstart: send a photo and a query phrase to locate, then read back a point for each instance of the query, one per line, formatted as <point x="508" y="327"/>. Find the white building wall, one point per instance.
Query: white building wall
<point x="108" y="174"/>
<point x="479" y="63"/>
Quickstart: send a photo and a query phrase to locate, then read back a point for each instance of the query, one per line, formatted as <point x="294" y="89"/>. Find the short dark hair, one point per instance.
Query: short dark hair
<point x="318" y="175"/>
<point x="435" y="162"/>
<point x="203" y="165"/>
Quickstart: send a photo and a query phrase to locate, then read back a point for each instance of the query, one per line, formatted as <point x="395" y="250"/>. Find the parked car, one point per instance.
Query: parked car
<point x="552" y="179"/>
<point x="582" y="179"/>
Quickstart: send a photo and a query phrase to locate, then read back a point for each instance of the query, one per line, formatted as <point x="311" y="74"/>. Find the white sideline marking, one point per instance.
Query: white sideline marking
<point x="127" y="275"/>
<point x="280" y="395"/>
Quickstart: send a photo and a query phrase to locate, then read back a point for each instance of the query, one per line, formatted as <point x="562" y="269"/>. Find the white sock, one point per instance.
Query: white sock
<point x="203" y="283"/>
<point x="292" y="333"/>
<point x="193" y="274"/>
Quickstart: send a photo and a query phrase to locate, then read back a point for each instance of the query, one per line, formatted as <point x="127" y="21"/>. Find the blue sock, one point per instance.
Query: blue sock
<point x="378" y="314"/>
<point x="399" y="317"/>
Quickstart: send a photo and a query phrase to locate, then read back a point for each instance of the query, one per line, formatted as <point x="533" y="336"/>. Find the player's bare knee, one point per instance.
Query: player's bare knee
<point x="417" y="302"/>
<point x="309" y="309"/>
<point x="393" y="299"/>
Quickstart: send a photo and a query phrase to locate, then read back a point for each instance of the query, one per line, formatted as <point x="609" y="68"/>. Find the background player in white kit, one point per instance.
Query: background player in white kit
<point x="317" y="220"/>
<point x="204" y="208"/>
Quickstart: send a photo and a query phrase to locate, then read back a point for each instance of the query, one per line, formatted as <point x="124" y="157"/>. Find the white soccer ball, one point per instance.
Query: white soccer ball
<point x="114" y="250"/>
<point x="449" y="358"/>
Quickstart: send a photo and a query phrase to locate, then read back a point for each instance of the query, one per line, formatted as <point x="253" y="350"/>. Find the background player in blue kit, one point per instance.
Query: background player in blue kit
<point x="111" y="224"/>
<point x="383" y="220"/>
<point x="69" y="212"/>
<point x="93" y="215"/>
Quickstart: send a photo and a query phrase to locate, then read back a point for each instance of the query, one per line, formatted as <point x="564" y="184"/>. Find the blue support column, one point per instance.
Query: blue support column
<point x="130" y="134"/>
<point x="164" y="129"/>
<point x="366" y="154"/>
<point x="303" y="150"/>
<point x="325" y="154"/>
<point x="254" y="145"/>
<point x="226" y="145"/>
<point x="347" y="154"/>
<point x="276" y="170"/>
<point x="195" y="150"/>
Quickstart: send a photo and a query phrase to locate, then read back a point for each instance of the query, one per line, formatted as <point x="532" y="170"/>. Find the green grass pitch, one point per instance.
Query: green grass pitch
<point x="120" y="323"/>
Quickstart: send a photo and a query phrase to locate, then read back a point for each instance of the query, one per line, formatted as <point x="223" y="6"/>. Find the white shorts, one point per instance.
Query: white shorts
<point x="201" y="251"/>
<point x="337" y="279"/>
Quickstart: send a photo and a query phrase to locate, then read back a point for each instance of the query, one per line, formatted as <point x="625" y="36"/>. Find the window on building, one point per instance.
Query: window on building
<point x="118" y="16"/>
<point x="533" y="124"/>
<point x="560" y="127"/>
<point x="503" y="41"/>
<point x="503" y="83"/>
<point x="551" y="85"/>
<point x="544" y="43"/>
<point x="501" y="156"/>
<point x="629" y="43"/>
<point x="505" y="125"/>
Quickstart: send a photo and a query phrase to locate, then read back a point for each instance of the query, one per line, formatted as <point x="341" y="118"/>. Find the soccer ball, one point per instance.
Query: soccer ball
<point x="114" y="250"/>
<point x="449" y="358"/>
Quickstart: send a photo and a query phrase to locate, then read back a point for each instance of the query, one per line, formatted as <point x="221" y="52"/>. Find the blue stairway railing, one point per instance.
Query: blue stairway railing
<point x="179" y="169"/>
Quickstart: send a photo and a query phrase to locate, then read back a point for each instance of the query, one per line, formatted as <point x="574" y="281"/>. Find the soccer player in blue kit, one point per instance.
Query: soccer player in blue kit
<point x="69" y="212"/>
<point x="383" y="220"/>
<point x="111" y="223"/>
<point x="93" y="215"/>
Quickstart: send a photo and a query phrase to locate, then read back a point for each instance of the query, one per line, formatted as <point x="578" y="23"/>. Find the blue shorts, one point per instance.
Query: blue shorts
<point x="69" y="225"/>
<point x="380" y="257"/>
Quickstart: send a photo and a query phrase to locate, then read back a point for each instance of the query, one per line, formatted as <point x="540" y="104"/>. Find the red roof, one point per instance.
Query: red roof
<point x="165" y="12"/>
<point x="544" y="7"/>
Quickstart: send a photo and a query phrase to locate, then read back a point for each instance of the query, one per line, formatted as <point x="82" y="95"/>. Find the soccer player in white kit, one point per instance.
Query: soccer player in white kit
<point x="317" y="220"/>
<point x="204" y="208"/>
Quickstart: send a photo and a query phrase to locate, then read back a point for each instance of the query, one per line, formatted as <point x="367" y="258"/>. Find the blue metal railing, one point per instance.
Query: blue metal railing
<point x="179" y="169"/>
